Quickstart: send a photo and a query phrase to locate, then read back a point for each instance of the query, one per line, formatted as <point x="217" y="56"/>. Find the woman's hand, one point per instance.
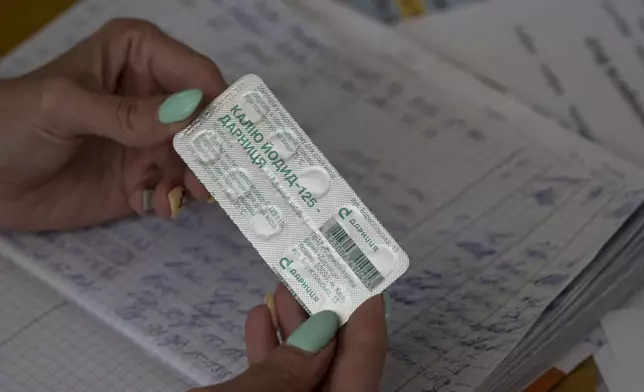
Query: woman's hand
<point x="312" y="358"/>
<point x="87" y="138"/>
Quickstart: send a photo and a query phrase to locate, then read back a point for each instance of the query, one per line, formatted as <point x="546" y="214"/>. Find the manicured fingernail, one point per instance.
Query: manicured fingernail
<point x="387" y="304"/>
<point x="179" y="106"/>
<point x="269" y="301"/>
<point x="211" y="199"/>
<point x="146" y="201"/>
<point x="315" y="333"/>
<point x="387" y="301"/>
<point x="178" y="199"/>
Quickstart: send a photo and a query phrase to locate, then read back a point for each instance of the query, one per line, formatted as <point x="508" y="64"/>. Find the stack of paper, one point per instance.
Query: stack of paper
<point x="520" y="234"/>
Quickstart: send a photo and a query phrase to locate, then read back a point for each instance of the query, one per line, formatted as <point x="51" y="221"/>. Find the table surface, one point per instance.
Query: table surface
<point x="20" y="18"/>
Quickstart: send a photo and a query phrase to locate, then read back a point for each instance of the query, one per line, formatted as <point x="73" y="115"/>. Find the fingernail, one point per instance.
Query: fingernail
<point x="387" y="301"/>
<point x="179" y="106"/>
<point x="387" y="304"/>
<point x="178" y="199"/>
<point x="269" y="301"/>
<point x="315" y="333"/>
<point x="146" y="201"/>
<point x="211" y="199"/>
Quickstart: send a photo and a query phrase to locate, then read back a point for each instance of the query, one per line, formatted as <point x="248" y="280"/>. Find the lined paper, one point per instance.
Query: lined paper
<point x="577" y="61"/>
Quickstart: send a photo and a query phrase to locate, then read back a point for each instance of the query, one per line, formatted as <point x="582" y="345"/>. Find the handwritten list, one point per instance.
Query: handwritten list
<point x="495" y="226"/>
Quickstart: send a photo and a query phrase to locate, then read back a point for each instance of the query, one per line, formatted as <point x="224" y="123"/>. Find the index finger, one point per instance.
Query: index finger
<point x="173" y="65"/>
<point x="360" y="356"/>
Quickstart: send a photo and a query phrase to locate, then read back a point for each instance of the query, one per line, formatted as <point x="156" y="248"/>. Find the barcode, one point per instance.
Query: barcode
<point x="352" y="255"/>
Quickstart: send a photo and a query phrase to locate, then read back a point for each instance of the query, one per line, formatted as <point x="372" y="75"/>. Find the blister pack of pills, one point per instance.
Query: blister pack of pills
<point x="288" y="200"/>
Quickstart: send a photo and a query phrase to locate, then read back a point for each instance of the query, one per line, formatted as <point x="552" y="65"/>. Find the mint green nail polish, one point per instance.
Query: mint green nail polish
<point x="147" y="199"/>
<point x="316" y="332"/>
<point x="179" y="106"/>
<point x="387" y="300"/>
<point x="387" y="303"/>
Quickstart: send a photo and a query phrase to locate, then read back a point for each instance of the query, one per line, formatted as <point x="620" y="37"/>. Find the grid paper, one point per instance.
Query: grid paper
<point x="22" y="300"/>
<point x="50" y="345"/>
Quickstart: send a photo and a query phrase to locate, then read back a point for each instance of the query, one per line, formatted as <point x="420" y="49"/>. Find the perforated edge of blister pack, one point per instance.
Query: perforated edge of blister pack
<point x="287" y="199"/>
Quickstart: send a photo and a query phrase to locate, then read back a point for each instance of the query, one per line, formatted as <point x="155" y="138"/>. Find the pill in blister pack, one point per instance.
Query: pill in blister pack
<point x="289" y="201"/>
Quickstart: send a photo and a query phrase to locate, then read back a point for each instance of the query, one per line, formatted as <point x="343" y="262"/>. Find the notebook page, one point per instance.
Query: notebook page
<point x="495" y="225"/>
<point x="48" y="344"/>
<point x="579" y="61"/>
<point x="365" y="34"/>
<point x="410" y="57"/>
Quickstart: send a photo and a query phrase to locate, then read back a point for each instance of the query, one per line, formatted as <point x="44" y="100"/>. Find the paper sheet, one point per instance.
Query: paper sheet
<point x="495" y="225"/>
<point x="48" y="344"/>
<point x="620" y="361"/>
<point x="583" y="350"/>
<point x="581" y="62"/>
<point x="624" y="332"/>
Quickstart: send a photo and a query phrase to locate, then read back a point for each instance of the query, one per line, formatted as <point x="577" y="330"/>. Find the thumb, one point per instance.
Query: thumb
<point x="299" y="365"/>
<point x="138" y="121"/>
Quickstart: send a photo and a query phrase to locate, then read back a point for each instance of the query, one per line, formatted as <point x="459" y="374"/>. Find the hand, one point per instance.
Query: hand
<point x="312" y="359"/>
<point x="87" y="138"/>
